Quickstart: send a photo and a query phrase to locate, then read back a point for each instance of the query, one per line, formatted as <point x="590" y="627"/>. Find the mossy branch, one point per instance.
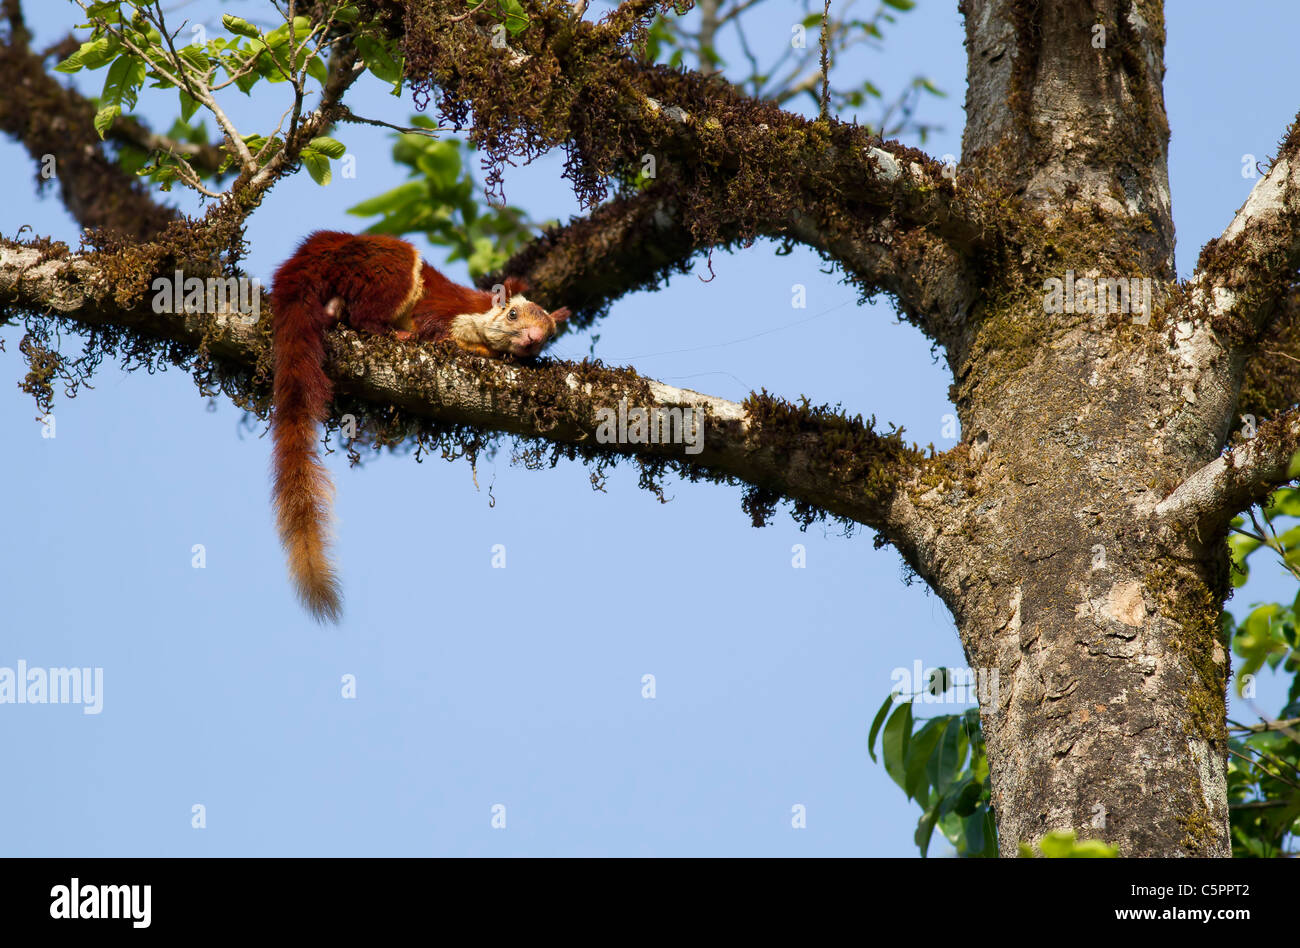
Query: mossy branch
<point x="1244" y="276"/>
<point x="736" y="168"/>
<point x="633" y="243"/>
<point x="816" y="458"/>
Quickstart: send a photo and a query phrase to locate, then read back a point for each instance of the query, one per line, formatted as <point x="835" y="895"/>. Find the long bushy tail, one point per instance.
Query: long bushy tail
<point x="302" y="491"/>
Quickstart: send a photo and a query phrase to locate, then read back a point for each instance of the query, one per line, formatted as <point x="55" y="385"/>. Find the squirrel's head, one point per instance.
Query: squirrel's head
<point x="520" y="327"/>
<point x="515" y="324"/>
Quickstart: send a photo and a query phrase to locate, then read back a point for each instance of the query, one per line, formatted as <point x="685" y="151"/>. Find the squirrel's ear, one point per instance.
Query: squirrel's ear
<point x="561" y="314"/>
<point x="515" y="286"/>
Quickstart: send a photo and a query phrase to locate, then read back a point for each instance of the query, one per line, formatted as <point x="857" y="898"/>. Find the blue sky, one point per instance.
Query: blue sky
<point x="519" y="686"/>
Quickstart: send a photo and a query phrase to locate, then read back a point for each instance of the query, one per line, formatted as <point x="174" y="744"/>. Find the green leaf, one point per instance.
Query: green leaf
<point x="104" y="118"/>
<point x="318" y="166"/>
<point x="516" y="19"/>
<point x="1242" y="546"/>
<point x="948" y="756"/>
<point x="925" y="829"/>
<point x="71" y="64"/>
<point x="278" y="36"/>
<point x="188" y="105"/>
<point x="246" y="82"/>
<point x="123" y="81"/>
<point x="1254" y="640"/>
<point x="1094" y="849"/>
<point x="965" y="797"/>
<point x="875" y="724"/>
<point x="1057" y="844"/>
<point x="1285" y="502"/>
<point x="327" y="146"/>
<point x="1062" y="844"/>
<point x="919" y="749"/>
<point x="378" y="59"/>
<point x="973" y="826"/>
<point x="91" y="55"/>
<point x="893" y="747"/>
<point x="441" y="163"/>
<point x="903" y="5"/>
<point x="990" y="836"/>
<point x="196" y="56"/>
<point x="239" y="26"/>
<point x="485" y="258"/>
<point x="106" y="10"/>
<point x="390" y="201"/>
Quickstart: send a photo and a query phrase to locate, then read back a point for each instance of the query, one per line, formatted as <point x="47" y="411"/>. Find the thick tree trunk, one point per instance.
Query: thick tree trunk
<point x="1099" y="623"/>
<point x="1098" y="626"/>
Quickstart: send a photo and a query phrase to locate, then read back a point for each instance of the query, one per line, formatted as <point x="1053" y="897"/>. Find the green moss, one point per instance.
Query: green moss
<point x="947" y="471"/>
<point x="1193" y="609"/>
<point x="1199" y="831"/>
<point x="839" y="448"/>
<point x="45" y="366"/>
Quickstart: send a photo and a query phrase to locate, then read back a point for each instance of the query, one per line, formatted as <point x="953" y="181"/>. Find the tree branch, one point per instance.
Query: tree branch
<point x="813" y="457"/>
<point x="340" y="78"/>
<point x="1235" y="480"/>
<point x="1271" y="383"/>
<point x="202" y="157"/>
<point x="633" y="243"/>
<point x="1243" y="276"/>
<point x="738" y="168"/>
<point x="51" y="120"/>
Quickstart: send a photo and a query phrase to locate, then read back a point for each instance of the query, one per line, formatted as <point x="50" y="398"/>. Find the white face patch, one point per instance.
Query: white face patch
<point x="493" y="328"/>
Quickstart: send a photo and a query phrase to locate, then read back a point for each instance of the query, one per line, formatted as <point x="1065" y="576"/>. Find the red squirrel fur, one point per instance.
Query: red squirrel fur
<point x="376" y="284"/>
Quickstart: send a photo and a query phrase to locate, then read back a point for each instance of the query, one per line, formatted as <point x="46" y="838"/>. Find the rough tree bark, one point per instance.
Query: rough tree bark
<point x="1076" y="532"/>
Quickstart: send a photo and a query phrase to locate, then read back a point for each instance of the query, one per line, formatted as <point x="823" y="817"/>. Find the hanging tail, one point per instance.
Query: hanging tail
<point x="301" y="490"/>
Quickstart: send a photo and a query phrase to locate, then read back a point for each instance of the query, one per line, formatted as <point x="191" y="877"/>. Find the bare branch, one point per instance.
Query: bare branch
<point x="340" y="78"/>
<point x="347" y="115"/>
<point x="203" y="156"/>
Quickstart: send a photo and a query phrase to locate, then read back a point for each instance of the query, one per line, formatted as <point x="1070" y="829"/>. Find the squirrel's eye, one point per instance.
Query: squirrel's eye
<point x="513" y="314"/>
